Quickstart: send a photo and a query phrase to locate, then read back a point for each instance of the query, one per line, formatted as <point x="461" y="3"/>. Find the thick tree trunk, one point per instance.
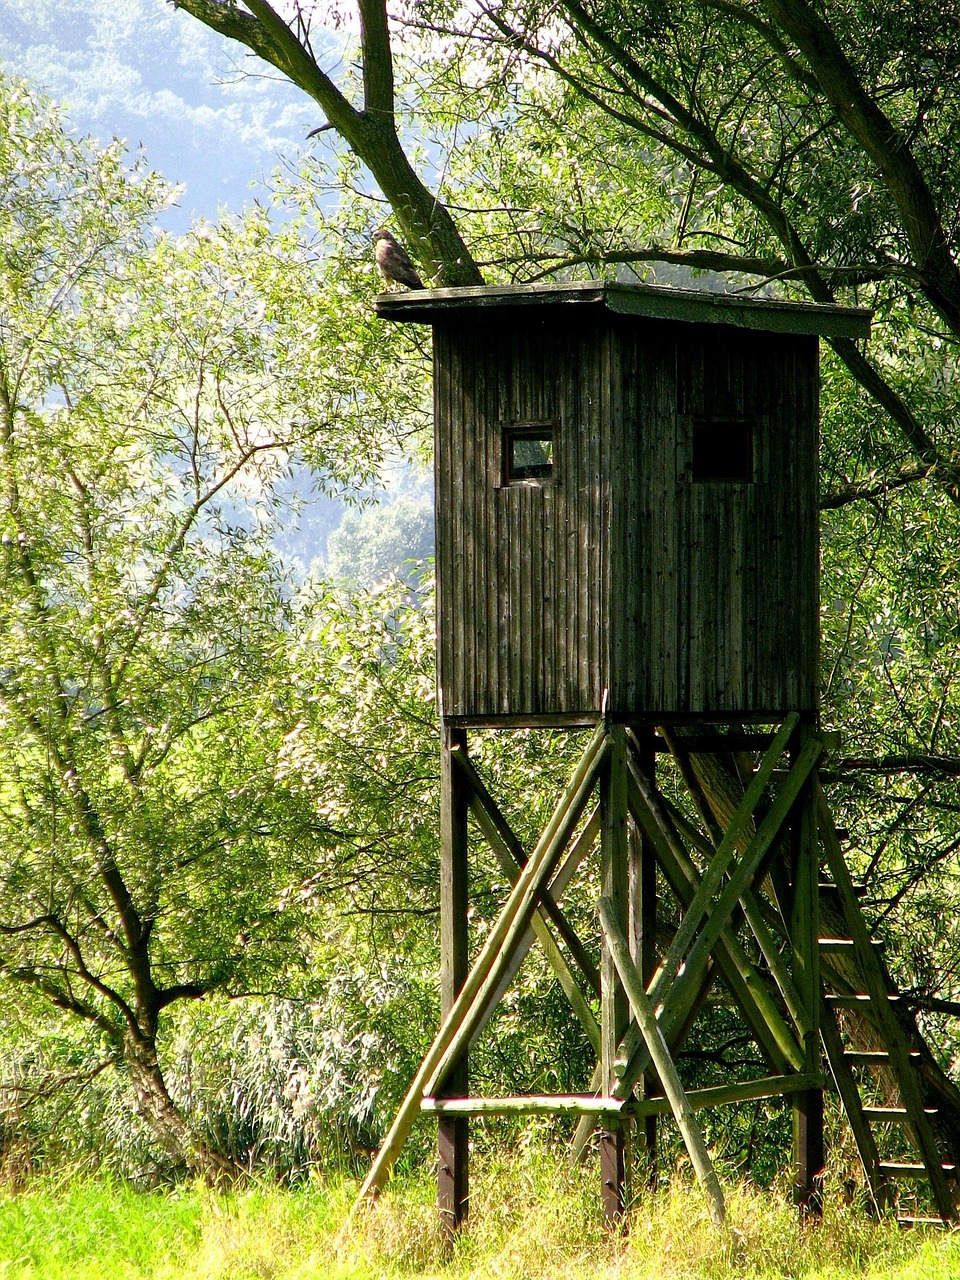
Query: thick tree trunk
<point x="167" y="1123"/>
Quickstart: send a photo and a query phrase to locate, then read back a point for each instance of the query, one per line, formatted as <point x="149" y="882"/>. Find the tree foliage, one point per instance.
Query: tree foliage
<point x="166" y="780"/>
<point x="783" y="147"/>
<point x="153" y="392"/>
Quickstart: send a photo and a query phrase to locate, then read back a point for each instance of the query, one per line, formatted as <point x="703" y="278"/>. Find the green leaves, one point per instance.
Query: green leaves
<point x="155" y="393"/>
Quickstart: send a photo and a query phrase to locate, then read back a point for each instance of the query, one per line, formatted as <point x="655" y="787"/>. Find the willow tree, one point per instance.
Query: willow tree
<point x="154" y="391"/>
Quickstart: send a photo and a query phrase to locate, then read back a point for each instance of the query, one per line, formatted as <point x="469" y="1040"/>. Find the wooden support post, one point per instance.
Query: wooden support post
<point x="461" y="1023"/>
<point x="809" y="1151"/>
<point x="453" y="1138"/>
<point x="643" y="933"/>
<point x="808" y="1143"/>
<point x="652" y="1034"/>
<point x="613" y="1001"/>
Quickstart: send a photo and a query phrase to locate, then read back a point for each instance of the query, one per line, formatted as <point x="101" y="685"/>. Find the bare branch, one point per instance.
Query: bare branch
<point x="62" y="999"/>
<point x="55" y="925"/>
<point x="876" y="485"/>
<point x="920" y="763"/>
<point x="883" y="143"/>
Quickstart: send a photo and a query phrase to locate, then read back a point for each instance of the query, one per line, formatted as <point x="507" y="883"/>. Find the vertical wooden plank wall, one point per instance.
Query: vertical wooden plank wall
<point x="520" y="574"/>
<point x="647" y="605"/>
<point x="719" y="603"/>
<point x="680" y="597"/>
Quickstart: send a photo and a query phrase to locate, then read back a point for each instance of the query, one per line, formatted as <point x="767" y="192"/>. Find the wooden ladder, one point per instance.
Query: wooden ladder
<point x="853" y="1070"/>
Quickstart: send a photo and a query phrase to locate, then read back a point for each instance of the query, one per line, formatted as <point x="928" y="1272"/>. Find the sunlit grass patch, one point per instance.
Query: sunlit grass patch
<point x="86" y="1229"/>
<point x="531" y="1218"/>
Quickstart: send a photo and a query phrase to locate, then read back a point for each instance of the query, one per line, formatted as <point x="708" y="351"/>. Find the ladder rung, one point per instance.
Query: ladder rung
<point x="847" y="944"/>
<point x="897" y="1114"/>
<point x="923" y="1222"/>
<point x="856" y="1001"/>
<point x="858" y="889"/>
<point x="910" y="1169"/>
<point x="873" y="1057"/>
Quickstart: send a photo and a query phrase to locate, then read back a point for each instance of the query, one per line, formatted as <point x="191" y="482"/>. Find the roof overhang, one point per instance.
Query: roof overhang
<point x="655" y="302"/>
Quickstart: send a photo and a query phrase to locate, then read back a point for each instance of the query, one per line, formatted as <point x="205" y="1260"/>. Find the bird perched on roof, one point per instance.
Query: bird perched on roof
<point x="395" y="266"/>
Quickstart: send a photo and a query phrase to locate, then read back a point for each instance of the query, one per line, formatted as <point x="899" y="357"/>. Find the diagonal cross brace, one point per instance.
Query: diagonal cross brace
<point x="521" y="930"/>
<point x="673" y="988"/>
<point x="495" y="956"/>
<point x="678" y="997"/>
<point x="538" y="928"/>
<point x="652" y="1033"/>
<point x="509" y="852"/>
<point x="754" y="908"/>
<point x="726" y="852"/>
<point x="772" y="1032"/>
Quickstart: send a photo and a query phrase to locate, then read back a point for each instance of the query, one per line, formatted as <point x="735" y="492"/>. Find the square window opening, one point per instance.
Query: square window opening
<point x="529" y="455"/>
<point x="722" y="451"/>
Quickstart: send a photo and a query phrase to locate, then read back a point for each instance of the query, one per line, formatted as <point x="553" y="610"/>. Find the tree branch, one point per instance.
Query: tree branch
<point x="56" y="926"/>
<point x="377" y="61"/>
<point x="886" y="147"/>
<point x="876" y="486"/>
<point x="371" y="134"/>
<point x="770" y="269"/>
<point x="62" y="999"/>
<point x="943" y="766"/>
<point x="933" y="1004"/>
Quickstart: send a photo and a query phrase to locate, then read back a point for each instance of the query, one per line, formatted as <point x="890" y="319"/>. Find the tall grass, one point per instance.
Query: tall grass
<point x="530" y="1218"/>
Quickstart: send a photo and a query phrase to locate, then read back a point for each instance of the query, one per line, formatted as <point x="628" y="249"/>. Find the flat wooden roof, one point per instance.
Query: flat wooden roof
<point x="656" y="302"/>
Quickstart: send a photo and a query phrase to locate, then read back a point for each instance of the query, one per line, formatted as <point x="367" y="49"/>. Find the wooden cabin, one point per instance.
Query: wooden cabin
<point x="627" y="501"/>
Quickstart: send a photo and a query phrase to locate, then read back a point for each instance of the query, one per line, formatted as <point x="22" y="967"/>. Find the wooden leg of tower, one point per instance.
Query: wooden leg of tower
<point x="805" y="928"/>
<point x="613" y="1001"/>
<point x="452" y="1174"/>
<point x="613" y="1170"/>
<point x="643" y="935"/>
<point x="809" y="1149"/>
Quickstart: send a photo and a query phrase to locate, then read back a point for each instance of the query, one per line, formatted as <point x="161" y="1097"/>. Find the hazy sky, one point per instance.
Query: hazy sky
<point x="208" y="116"/>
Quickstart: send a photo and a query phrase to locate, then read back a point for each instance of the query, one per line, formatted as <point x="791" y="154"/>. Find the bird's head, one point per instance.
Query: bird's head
<point x="383" y="234"/>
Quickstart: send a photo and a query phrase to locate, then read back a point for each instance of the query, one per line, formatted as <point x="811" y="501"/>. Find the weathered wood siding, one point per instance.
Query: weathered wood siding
<point x="625" y="574"/>
<point x="521" y="578"/>
<point x="714" y="584"/>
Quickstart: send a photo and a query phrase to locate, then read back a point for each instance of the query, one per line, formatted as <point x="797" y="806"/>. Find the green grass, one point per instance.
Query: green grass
<point x="529" y="1220"/>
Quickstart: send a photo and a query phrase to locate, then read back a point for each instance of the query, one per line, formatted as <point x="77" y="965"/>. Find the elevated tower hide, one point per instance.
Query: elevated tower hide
<point x="627" y="539"/>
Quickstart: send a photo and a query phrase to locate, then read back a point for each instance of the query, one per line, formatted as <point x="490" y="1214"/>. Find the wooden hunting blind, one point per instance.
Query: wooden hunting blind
<point x="626" y="501"/>
<point x="627" y="538"/>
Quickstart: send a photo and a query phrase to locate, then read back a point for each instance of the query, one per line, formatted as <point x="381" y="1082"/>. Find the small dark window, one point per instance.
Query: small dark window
<point x="528" y="455"/>
<point x="722" y="450"/>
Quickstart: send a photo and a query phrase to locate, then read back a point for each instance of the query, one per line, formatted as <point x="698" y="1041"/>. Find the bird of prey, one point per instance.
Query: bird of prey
<point x="395" y="266"/>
